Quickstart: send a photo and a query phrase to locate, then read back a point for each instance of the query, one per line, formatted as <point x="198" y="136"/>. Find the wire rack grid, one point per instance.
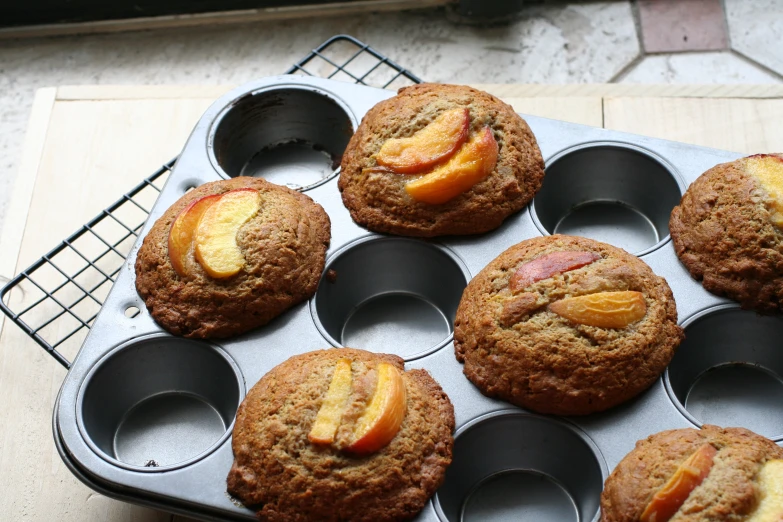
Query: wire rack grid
<point x="56" y="299"/>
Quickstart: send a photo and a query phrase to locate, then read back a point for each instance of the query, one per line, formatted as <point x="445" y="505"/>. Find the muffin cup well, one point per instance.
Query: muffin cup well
<point x="159" y="403"/>
<point x="291" y="136"/>
<point x="611" y="192"/>
<point x="510" y="465"/>
<point x="390" y="295"/>
<point x="728" y="371"/>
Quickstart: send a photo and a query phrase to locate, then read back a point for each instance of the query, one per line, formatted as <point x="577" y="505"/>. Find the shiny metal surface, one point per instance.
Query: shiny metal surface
<point x="611" y="192"/>
<point x="390" y="295"/>
<point x="559" y="470"/>
<point x="729" y="371"/>
<point x="399" y="295"/>
<point x="159" y="402"/>
<point x="519" y="495"/>
<point x="290" y="136"/>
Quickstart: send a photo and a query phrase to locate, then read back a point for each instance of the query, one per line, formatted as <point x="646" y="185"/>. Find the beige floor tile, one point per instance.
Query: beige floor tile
<point x="699" y="68"/>
<point x="756" y="30"/>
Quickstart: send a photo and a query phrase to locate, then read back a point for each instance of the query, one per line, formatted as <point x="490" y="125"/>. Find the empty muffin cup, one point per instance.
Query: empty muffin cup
<point x="158" y="403"/>
<point x="510" y="465"/>
<point x="390" y="295"/>
<point x="728" y="371"/>
<point x="291" y="136"/>
<point x="615" y="193"/>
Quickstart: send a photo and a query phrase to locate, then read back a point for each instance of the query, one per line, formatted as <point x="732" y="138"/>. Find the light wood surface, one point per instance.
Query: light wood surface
<point x="743" y="125"/>
<point x="86" y="146"/>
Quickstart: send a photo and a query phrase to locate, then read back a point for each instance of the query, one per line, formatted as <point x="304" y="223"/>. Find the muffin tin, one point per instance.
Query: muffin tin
<point x="146" y="417"/>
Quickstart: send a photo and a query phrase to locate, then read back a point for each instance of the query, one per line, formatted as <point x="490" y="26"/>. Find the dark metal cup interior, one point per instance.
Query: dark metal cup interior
<point x="289" y="136"/>
<point x="159" y="403"/>
<point x="728" y="371"/>
<point x="390" y="295"/>
<point x="616" y="194"/>
<point x="513" y="466"/>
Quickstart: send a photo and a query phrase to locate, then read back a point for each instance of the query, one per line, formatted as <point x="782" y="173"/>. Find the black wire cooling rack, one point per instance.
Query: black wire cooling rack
<point x="58" y="297"/>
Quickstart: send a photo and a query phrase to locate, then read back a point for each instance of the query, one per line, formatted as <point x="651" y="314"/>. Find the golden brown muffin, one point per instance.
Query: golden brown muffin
<point x="730" y="487"/>
<point x="286" y="477"/>
<point x="377" y="199"/>
<point x="284" y="248"/>
<point x="528" y="333"/>
<point x="727" y="231"/>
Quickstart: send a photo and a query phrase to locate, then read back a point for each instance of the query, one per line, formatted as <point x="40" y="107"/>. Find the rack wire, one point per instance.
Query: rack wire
<point x="345" y="58"/>
<point x="56" y="299"/>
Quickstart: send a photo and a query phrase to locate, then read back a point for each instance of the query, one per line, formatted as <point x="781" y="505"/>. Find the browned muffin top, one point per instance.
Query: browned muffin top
<point x="727" y="231"/>
<point x="721" y="474"/>
<point x="565" y="325"/>
<point x="377" y="196"/>
<point x="281" y="249"/>
<point x="279" y="470"/>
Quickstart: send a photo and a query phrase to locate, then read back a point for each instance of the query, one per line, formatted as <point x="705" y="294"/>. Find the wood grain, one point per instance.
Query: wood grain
<point x="94" y="151"/>
<point x="140" y="92"/>
<point x="19" y="204"/>
<point x="743" y="125"/>
<point x="625" y="90"/>
<point x="577" y="109"/>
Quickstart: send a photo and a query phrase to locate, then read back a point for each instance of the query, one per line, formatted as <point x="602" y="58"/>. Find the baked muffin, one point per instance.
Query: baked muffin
<point x="439" y="160"/>
<point x="727" y="231"/>
<point x="688" y="475"/>
<point x="231" y="255"/>
<point x="304" y="448"/>
<point x="565" y="325"/>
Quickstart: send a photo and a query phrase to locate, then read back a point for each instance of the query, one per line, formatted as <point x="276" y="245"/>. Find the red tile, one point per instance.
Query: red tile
<point x="682" y="25"/>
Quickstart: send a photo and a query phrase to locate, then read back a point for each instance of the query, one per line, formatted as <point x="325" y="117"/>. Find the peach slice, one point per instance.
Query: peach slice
<point x="432" y="144"/>
<point x="549" y="265"/>
<point x="475" y="161"/>
<point x="216" y="234"/>
<point x="603" y="309"/>
<point x="183" y="229"/>
<point x="668" y="500"/>
<point x="768" y="171"/>
<point x="770" y="508"/>
<point x="381" y="419"/>
<point x="331" y="412"/>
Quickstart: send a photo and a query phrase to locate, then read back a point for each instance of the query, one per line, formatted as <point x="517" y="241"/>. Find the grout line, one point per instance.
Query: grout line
<point x="691" y="51"/>
<point x="637" y="21"/>
<point x="603" y="113"/>
<point x="726" y="23"/>
<point x="622" y="73"/>
<point x="625" y="70"/>
<point x="751" y="61"/>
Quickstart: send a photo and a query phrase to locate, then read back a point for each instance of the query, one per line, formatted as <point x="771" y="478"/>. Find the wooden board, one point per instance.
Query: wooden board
<point x="742" y="125"/>
<point x="87" y="145"/>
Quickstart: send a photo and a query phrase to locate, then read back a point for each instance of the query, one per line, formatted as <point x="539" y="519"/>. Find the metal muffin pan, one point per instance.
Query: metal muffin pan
<point x="500" y="473"/>
<point x="289" y="136"/>
<point x="399" y="295"/>
<point x="728" y="370"/>
<point x="610" y="192"/>
<point x="371" y="296"/>
<point x="157" y="403"/>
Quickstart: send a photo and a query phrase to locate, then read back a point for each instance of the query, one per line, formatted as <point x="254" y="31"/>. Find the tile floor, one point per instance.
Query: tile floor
<point x="646" y="41"/>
